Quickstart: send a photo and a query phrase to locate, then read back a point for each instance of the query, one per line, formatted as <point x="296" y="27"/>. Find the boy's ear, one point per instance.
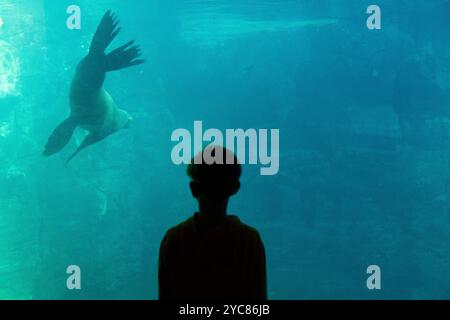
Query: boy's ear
<point x="235" y="188"/>
<point x="195" y="189"/>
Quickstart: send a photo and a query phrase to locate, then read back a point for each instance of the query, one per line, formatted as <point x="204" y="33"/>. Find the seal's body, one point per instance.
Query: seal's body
<point x="92" y="108"/>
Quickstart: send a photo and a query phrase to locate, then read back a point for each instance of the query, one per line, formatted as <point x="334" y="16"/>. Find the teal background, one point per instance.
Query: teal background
<point x="364" y="151"/>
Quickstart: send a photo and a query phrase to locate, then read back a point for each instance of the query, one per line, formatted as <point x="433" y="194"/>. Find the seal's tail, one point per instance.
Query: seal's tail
<point x="90" y="139"/>
<point x="60" y="137"/>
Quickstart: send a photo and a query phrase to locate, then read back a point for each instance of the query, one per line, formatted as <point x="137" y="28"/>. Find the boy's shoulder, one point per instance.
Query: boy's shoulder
<point x="240" y="226"/>
<point x="182" y="227"/>
<point x="233" y="221"/>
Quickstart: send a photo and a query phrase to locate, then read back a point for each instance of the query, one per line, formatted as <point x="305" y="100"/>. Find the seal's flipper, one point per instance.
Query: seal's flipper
<point x="105" y="34"/>
<point x="124" y="57"/>
<point x="92" y="68"/>
<point x="60" y="137"/>
<point x="90" y="139"/>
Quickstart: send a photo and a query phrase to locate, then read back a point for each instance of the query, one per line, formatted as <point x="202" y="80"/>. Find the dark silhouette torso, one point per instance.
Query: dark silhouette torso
<point x="221" y="262"/>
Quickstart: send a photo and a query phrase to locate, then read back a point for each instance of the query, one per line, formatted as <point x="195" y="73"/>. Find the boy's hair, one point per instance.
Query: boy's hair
<point x="217" y="169"/>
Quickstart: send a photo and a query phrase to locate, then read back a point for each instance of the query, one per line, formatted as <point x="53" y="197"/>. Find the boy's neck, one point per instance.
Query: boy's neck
<point x="212" y="213"/>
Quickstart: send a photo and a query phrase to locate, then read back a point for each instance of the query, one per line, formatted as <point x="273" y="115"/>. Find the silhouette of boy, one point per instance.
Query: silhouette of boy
<point x="212" y="255"/>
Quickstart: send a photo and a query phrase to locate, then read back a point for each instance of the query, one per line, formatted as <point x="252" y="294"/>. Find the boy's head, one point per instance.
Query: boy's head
<point x="214" y="174"/>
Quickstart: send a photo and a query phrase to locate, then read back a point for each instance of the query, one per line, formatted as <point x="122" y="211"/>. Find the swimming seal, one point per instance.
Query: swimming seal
<point x="92" y="108"/>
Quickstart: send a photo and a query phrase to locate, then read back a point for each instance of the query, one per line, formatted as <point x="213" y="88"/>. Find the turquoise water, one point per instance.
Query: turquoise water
<point x="364" y="144"/>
